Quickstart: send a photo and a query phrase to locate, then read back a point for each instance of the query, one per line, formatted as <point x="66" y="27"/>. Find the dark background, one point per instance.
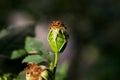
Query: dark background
<point x="93" y="25"/>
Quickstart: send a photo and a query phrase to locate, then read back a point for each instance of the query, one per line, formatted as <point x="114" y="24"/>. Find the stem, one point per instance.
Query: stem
<point x="56" y="60"/>
<point x="55" y="64"/>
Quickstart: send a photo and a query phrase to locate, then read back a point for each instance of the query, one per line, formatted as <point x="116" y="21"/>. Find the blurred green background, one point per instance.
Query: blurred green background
<point x="93" y="51"/>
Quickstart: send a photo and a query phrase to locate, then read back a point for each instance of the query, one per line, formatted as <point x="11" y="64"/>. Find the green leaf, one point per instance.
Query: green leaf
<point x="32" y="45"/>
<point x="3" y="33"/>
<point x="61" y="73"/>
<point x="17" y="54"/>
<point x="50" y="57"/>
<point x="8" y="76"/>
<point x="34" y="59"/>
<point x="21" y="76"/>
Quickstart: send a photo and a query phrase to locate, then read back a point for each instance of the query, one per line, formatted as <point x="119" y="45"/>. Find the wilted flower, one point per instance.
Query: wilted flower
<point x="35" y="72"/>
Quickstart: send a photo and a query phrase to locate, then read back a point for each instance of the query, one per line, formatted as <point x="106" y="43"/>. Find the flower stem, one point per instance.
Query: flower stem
<point x="56" y="60"/>
<point x="55" y="64"/>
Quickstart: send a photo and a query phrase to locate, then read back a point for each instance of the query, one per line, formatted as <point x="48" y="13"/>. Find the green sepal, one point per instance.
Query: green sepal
<point x="47" y="75"/>
<point x="57" y="39"/>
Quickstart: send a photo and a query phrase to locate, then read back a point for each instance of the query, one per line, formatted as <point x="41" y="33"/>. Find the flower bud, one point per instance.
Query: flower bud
<point x="57" y="36"/>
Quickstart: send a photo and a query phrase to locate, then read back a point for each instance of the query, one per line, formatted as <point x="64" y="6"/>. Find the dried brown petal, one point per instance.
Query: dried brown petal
<point x="33" y="72"/>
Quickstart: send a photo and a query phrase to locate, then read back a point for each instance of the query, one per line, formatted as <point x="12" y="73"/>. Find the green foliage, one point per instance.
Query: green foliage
<point x="18" y="53"/>
<point x="21" y="76"/>
<point x="34" y="59"/>
<point x="61" y="73"/>
<point x="34" y="46"/>
<point x="8" y="77"/>
<point x="35" y="52"/>
<point x="3" y="33"/>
